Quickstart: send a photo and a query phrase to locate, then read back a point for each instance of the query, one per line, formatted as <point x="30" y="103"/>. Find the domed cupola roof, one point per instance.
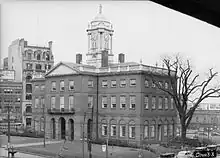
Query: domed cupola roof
<point x="100" y="20"/>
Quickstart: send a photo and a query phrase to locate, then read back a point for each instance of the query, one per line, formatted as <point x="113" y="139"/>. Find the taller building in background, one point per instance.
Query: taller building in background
<point x="28" y="62"/>
<point x="5" y="63"/>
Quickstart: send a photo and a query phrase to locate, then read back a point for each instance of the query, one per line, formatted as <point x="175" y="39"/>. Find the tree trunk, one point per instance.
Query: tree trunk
<point x="183" y="131"/>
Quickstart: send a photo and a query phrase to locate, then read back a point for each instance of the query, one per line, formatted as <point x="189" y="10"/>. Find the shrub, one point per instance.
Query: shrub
<point x="26" y="134"/>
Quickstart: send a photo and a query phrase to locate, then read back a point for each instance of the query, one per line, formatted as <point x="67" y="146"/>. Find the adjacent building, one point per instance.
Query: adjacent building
<point x="10" y="100"/>
<point x="5" y="63"/>
<point x="111" y="99"/>
<point x="28" y="62"/>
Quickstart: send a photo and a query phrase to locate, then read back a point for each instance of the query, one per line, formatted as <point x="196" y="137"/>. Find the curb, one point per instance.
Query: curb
<point x="32" y="153"/>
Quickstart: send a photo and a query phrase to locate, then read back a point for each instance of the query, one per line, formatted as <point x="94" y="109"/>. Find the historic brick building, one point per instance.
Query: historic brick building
<point x="112" y="99"/>
<point x="28" y="62"/>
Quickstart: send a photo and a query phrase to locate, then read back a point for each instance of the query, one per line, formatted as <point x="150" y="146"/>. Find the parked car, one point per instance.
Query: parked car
<point x="167" y="155"/>
<point x="184" y="154"/>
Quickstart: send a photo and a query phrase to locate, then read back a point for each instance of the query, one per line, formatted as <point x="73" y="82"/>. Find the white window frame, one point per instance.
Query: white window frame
<point x="165" y="128"/>
<point x="104" y="83"/>
<point x="122" y="83"/>
<point x="113" y="130"/>
<point x="90" y="83"/>
<point x="166" y="85"/>
<point x="113" y="83"/>
<point x="152" y="131"/>
<point x="146" y="131"/>
<point x="122" y="101"/>
<point x="166" y="102"/>
<point x="171" y="103"/>
<point x="146" y="83"/>
<point x="61" y="103"/>
<point x="132" y="102"/>
<point x="113" y="102"/>
<point x="132" y="131"/>
<point x="71" y="85"/>
<point x="104" y="129"/>
<point x="160" y="103"/>
<point x="36" y="102"/>
<point x="146" y="102"/>
<point x="71" y="105"/>
<point x="53" y="86"/>
<point x="104" y="102"/>
<point x="53" y="99"/>
<point x="121" y="130"/>
<point x="90" y="101"/>
<point x="62" y="88"/>
<point x="153" y="102"/>
<point x="133" y="82"/>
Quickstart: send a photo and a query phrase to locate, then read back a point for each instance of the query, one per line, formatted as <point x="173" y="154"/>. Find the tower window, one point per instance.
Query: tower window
<point x="47" y="57"/>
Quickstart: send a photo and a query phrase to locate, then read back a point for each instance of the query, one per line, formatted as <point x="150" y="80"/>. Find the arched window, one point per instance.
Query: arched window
<point x="152" y="129"/>
<point x="42" y="124"/>
<point x="146" y="129"/>
<point x="131" y="129"/>
<point x="122" y="128"/>
<point x="28" y="78"/>
<point x="104" y="128"/>
<point x="44" y="55"/>
<point x="165" y="128"/>
<point x="113" y="128"/>
<point x="29" y="56"/>
<point x="35" y="54"/>
<point x="38" y="56"/>
<point x="47" y="57"/>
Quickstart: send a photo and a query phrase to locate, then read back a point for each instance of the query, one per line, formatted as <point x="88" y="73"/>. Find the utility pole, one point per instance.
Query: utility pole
<point x="83" y="133"/>
<point x="9" y="140"/>
<point x="44" y="125"/>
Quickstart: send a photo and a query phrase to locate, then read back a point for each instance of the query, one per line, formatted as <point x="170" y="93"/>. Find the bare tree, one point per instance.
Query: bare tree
<point x="186" y="88"/>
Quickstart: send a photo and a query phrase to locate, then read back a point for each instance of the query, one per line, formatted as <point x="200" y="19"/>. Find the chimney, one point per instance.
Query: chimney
<point x="104" y="58"/>
<point x="121" y="58"/>
<point x="78" y="58"/>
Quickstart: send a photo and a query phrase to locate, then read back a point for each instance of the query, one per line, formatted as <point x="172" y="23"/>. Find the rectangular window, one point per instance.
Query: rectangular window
<point x="152" y="131"/>
<point x="113" y="130"/>
<point x="122" y="83"/>
<point x="146" y="102"/>
<point x="166" y="85"/>
<point x="146" y="83"/>
<point x="113" y="101"/>
<point x="90" y="83"/>
<point x="104" y="83"/>
<point x="71" y="102"/>
<point x="113" y="83"/>
<point x="132" y="102"/>
<point x="171" y="103"/>
<point x="165" y="130"/>
<point x="122" y="130"/>
<point x="160" y="84"/>
<point x="71" y="85"/>
<point x="61" y="85"/>
<point x="36" y="87"/>
<point x="145" y="131"/>
<point x="42" y="102"/>
<point x="131" y="131"/>
<point x="42" y="87"/>
<point x="160" y="104"/>
<point x="61" y="103"/>
<point x="122" y="102"/>
<point x="36" y="102"/>
<point x="52" y="101"/>
<point x="53" y="86"/>
<point x="104" y="129"/>
<point x="104" y="102"/>
<point x="171" y="130"/>
<point x="132" y="82"/>
<point x="90" y="101"/>
<point x="153" y="102"/>
<point x="166" y="102"/>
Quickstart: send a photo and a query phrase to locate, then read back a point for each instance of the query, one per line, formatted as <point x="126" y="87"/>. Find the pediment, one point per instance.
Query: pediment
<point x="62" y="70"/>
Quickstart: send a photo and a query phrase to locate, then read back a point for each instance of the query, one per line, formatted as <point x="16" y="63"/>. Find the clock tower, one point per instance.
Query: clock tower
<point x="100" y="34"/>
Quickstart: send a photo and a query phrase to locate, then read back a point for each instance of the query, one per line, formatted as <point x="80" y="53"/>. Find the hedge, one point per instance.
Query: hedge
<point x="26" y="134"/>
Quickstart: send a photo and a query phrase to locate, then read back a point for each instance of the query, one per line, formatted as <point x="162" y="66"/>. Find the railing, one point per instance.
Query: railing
<point x="61" y="111"/>
<point x="137" y="67"/>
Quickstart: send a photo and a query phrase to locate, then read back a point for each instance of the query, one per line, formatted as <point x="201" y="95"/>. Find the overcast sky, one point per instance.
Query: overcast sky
<point x="142" y="29"/>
